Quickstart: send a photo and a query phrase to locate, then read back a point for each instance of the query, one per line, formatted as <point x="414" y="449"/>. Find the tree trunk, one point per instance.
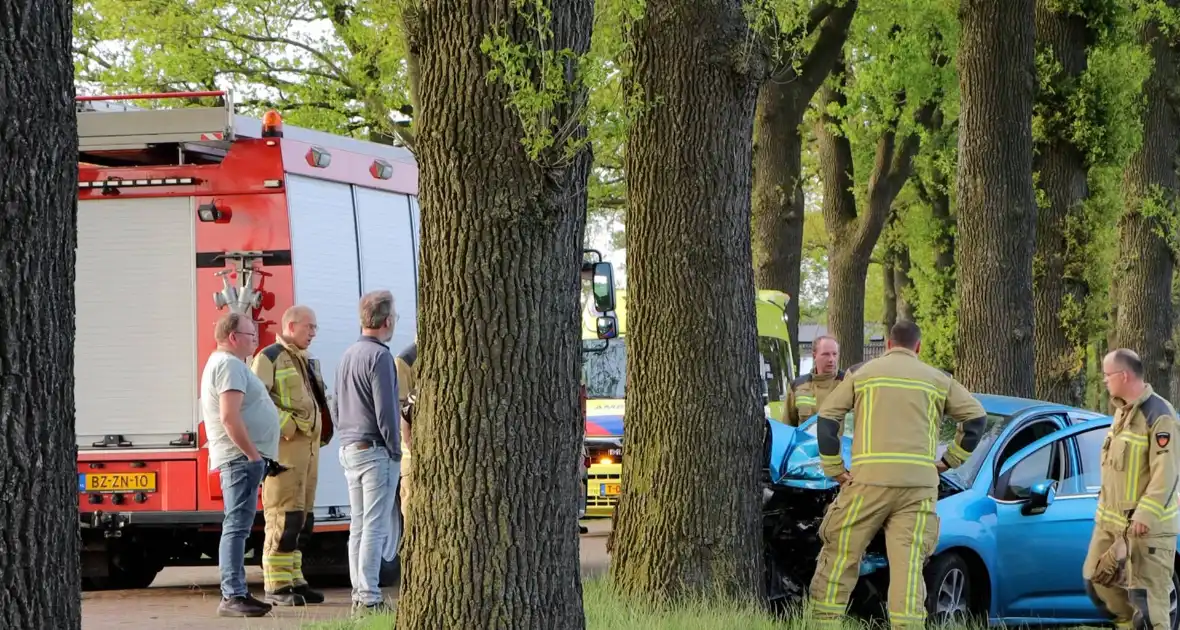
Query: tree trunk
<point x="38" y="235"/>
<point x="888" y="279"/>
<point x="689" y="517"/>
<point x="1060" y="288"/>
<point x="903" y="286"/>
<point x="497" y="448"/>
<point x="1146" y="230"/>
<point x="778" y="145"/>
<point x="853" y="237"/>
<point x="996" y="204"/>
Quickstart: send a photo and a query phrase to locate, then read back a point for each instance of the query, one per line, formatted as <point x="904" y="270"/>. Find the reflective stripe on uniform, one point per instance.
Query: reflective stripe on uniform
<point x="892" y="458"/>
<point x="1137" y="448"/>
<point x="842" y="552"/>
<point x="801" y="401"/>
<point x="285" y="401"/>
<point x="915" y="610"/>
<point x="1109" y="516"/>
<point x="868" y="388"/>
<point x="1151" y="505"/>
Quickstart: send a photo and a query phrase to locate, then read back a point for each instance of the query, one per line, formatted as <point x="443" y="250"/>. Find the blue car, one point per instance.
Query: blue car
<point x="1016" y="519"/>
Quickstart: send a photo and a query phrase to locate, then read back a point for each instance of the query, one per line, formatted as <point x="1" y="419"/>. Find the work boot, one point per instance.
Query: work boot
<point x="309" y="594"/>
<point x="240" y="606"/>
<point x="286" y="596"/>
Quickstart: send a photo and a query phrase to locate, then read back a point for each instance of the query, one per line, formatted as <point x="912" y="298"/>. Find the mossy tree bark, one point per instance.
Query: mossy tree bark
<point x="497" y="436"/>
<point x="778" y="145"/>
<point x="996" y="202"/>
<point x="38" y="235"/>
<point x="854" y="235"/>
<point x="688" y="521"/>
<point x="1060" y="286"/>
<point x="1147" y="229"/>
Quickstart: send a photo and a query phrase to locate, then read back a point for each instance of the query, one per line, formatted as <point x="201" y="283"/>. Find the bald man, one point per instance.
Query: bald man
<point x="296" y="386"/>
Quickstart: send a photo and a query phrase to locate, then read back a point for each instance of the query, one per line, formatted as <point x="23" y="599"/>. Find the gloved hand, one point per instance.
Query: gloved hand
<point x="273" y="468"/>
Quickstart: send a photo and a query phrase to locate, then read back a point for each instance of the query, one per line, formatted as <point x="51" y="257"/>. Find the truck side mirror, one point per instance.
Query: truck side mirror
<point x="607" y="327"/>
<point x="603" y="288"/>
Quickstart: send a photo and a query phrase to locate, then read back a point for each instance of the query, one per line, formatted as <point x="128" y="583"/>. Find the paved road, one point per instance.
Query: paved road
<point x="186" y="598"/>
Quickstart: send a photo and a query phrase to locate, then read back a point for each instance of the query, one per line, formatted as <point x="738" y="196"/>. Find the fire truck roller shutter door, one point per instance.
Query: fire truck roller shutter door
<point x="135" y="370"/>
<point x="327" y="278"/>
<point x="385" y="230"/>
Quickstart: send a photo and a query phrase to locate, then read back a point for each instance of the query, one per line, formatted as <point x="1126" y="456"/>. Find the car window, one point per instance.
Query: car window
<point x="1032" y="469"/>
<point x="1089" y="479"/>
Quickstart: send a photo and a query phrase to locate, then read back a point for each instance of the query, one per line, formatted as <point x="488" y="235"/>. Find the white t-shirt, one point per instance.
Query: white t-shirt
<point x="225" y="372"/>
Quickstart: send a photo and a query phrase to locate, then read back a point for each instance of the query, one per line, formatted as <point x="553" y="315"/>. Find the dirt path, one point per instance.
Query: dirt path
<point x="186" y="598"/>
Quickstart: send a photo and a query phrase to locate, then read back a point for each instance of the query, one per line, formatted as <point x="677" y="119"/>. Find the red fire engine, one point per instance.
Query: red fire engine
<point x="197" y="210"/>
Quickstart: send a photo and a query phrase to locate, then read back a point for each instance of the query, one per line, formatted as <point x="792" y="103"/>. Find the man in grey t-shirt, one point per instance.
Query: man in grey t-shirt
<point x="242" y="424"/>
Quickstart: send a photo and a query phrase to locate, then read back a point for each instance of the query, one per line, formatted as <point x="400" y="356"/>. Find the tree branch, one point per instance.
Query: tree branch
<point x="835" y="160"/>
<point x="821" y="60"/>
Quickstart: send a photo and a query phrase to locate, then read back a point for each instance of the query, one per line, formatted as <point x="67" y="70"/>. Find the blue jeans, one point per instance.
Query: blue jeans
<point x="240" y="479"/>
<point x="372" y="487"/>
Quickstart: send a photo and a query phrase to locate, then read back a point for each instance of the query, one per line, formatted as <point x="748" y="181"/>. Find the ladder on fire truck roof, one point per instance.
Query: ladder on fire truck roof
<point x="104" y="126"/>
<point x="111" y="129"/>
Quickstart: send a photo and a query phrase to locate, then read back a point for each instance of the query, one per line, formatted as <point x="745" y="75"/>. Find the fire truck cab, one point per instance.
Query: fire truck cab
<point x="182" y="214"/>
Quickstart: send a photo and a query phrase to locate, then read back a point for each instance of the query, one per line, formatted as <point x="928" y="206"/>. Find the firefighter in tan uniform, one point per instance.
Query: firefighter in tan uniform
<point x="899" y="402"/>
<point x="807" y="393"/>
<point x="296" y="386"/>
<point x="1137" y="504"/>
<point x="406" y="391"/>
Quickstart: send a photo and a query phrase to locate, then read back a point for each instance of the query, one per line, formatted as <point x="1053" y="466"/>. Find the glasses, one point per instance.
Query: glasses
<point x="245" y="333"/>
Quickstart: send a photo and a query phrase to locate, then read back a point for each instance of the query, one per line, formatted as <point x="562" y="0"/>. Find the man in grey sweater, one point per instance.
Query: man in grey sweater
<point x="367" y="425"/>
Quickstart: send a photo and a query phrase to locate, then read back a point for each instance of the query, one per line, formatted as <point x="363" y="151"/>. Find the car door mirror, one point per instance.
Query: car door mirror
<point x="1040" y="497"/>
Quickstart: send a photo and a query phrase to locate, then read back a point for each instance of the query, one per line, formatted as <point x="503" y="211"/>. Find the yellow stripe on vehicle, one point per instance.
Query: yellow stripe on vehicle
<point x="842" y="551"/>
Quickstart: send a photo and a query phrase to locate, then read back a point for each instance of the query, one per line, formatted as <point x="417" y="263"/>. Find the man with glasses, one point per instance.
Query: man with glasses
<point x="296" y="386"/>
<point x="1137" y="517"/>
<point x="242" y="425"/>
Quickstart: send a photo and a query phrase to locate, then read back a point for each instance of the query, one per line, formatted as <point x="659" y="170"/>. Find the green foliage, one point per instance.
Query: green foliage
<point x="274" y="53"/>
<point x="535" y="74"/>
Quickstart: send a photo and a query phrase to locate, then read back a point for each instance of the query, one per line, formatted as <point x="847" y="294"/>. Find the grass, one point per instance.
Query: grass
<point x="607" y="611"/>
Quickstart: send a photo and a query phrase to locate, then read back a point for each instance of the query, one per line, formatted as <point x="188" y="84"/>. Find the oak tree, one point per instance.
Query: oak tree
<point x="688" y="521"/>
<point x="38" y="235"/>
<point x="497" y="432"/>
<point x="783" y="100"/>
<point x="1148" y="228"/>
<point x="996" y="203"/>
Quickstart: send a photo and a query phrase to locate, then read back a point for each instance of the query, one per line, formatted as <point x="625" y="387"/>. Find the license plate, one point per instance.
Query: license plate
<point x="117" y="482"/>
<point x="609" y="489"/>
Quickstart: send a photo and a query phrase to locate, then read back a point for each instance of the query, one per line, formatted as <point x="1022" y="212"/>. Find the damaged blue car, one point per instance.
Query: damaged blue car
<point x="1016" y="519"/>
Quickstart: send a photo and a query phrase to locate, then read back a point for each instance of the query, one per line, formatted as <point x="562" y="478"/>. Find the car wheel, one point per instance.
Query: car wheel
<point x="949" y="591"/>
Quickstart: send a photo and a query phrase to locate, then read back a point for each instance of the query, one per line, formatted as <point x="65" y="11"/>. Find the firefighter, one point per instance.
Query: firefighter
<point x="807" y="393"/>
<point x="1137" y="503"/>
<point x="894" y="478"/>
<point x="296" y="386"/>
<point x="406" y="393"/>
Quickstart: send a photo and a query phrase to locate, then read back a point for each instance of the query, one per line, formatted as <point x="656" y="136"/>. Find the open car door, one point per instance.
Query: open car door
<point x="1045" y="497"/>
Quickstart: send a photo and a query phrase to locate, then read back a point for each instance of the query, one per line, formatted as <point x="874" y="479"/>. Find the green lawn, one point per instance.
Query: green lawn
<point x="605" y="611"/>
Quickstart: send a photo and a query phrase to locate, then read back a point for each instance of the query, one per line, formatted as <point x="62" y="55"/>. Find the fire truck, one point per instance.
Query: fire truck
<point x="184" y="213"/>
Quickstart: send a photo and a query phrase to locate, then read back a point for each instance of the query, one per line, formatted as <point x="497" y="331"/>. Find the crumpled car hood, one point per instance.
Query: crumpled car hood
<point x="794" y="457"/>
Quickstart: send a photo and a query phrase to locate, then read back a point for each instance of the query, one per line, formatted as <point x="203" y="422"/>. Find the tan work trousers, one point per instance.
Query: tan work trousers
<point x="288" y="503"/>
<point x="851" y="523"/>
<point x="1145" y="601"/>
